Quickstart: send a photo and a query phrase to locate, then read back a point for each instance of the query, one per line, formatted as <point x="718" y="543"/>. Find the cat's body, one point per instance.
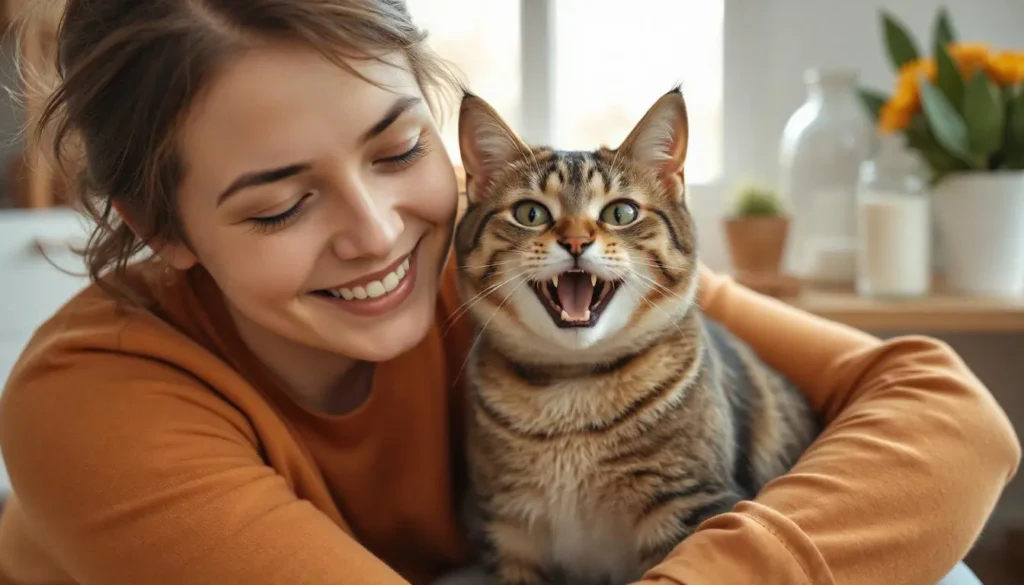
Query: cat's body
<point x="607" y="416"/>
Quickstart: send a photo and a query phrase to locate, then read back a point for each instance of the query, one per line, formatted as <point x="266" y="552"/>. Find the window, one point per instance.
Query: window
<point x="593" y="66"/>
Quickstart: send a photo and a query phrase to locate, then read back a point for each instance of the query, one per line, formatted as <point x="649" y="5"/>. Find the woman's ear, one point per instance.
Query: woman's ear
<point x="176" y="254"/>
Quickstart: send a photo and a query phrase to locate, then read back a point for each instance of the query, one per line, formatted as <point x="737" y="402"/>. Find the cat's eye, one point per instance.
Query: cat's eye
<point x="620" y="213"/>
<point x="531" y="214"/>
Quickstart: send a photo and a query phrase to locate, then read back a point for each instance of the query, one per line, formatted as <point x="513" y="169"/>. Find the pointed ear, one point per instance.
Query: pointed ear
<point x="659" y="141"/>
<point x="487" y="145"/>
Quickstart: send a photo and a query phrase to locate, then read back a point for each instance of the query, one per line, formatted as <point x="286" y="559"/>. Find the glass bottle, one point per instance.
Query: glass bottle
<point x="894" y="239"/>
<point x="823" y="144"/>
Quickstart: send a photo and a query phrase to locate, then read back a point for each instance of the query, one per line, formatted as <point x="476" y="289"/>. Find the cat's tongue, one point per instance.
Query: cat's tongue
<point x="575" y="292"/>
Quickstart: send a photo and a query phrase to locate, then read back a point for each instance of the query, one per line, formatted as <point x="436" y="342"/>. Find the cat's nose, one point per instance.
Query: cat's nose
<point x="576" y="245"/>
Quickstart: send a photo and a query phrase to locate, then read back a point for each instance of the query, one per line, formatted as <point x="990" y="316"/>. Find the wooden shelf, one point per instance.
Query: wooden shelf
<point x="938" y="312"/>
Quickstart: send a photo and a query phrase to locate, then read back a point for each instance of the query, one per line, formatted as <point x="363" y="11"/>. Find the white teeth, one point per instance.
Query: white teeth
<point x="586" y="316"/>
<point x="593" y="281"/>
<point x="554" y="280"/>
<point x="565" y="315"/>
<point x="376" y="288"/>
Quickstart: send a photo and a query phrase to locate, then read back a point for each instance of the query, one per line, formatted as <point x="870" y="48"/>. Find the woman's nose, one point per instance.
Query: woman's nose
<point x="371" y="229"/>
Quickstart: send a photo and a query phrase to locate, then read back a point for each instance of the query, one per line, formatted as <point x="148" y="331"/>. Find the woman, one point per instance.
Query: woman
<point x="218" y="415"/>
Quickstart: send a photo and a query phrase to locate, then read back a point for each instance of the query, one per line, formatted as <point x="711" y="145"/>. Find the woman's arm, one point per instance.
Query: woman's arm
<point x="911" y="463"/>
<point x="130" y="472"/>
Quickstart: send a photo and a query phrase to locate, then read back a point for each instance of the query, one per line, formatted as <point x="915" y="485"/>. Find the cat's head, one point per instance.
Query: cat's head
<point x="582" y="251"/>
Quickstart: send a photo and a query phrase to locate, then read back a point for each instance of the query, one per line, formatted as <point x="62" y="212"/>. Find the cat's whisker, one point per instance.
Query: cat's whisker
<point x="674" y="321"/>
<point x="659" y="286"/>
<point x="491" y="265"/>
<point x="480" y="333"/>
<point x="466" y="306"/>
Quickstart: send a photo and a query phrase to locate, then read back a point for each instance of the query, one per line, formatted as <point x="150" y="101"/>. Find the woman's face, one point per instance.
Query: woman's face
<point x="320" y="203"/>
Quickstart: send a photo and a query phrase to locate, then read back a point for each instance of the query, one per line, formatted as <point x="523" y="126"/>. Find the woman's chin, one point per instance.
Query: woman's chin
<point x="388" y="336"/>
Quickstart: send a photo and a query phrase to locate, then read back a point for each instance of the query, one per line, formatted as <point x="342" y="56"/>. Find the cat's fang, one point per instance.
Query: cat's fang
<point x="593" y="280"/>
<point x="554" y="280"/>
<point x="565" y="315"/>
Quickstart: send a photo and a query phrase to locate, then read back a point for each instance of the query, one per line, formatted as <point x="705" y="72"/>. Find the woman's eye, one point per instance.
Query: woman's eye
<point x="531" y="214"/>
<point x="620" y="213"/>
<point x="408" y="157"/>
<point x="271" y="222"/>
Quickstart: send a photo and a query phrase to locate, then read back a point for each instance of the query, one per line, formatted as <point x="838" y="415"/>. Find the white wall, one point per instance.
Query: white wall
<point x="769" y="44"/>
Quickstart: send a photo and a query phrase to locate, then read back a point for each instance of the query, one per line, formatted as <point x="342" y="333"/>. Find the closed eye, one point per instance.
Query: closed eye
<point x="408" y="157"/>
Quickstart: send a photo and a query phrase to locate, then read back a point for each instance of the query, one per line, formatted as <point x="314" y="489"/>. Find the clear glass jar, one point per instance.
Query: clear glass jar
<point x="823" y="145"/>
<point x="894" y="235"/>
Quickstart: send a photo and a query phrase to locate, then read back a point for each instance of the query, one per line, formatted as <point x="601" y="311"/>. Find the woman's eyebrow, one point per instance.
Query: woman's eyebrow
<point x="401" y="105"/>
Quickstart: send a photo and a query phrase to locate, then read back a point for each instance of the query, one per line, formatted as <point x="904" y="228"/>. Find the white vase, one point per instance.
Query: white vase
<point x="980" y="222"/>
<point x="823" y="145"/>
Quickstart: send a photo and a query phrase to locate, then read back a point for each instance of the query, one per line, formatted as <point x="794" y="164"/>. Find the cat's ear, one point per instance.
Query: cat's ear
<point x="487" y="145"/>
<point x="659" y="141"/>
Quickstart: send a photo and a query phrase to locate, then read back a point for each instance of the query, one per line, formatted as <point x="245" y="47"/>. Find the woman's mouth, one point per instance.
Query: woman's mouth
<point x="374" y="288"/>
<point x="376" y="293"/>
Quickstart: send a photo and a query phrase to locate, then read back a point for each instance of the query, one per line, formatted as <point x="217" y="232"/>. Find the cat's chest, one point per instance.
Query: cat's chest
<point x="588" y="533"/>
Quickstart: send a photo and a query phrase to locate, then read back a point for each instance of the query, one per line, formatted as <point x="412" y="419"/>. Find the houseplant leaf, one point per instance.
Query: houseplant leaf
<point x="948" y="77"/>
<point x="943" y="32"/>
<point x="898" y="44"/>
<point x="947" y="124"/>
<point x="1015" y="126"/>
<point x="872" y="101"/>
<point x="938" y="160"/>
<point x="983" y="112"/>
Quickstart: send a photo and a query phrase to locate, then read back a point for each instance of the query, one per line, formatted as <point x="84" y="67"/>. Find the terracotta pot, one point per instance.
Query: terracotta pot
<point x="756" y="244"/>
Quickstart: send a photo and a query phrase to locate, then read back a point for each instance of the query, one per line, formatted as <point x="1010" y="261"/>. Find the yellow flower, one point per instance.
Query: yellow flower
<point x="894" y="117"/>
<point x="1006" y="68"/>
<point x="969" y="57"/>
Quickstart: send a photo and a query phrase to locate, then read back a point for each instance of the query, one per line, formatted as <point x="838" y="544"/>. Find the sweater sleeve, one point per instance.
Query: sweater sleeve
<point x="914" y="455"/>
<point x="149" y="477"/>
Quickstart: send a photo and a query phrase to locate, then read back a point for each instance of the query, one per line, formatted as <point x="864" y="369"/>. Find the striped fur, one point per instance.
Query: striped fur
<point x="594" y="450"/>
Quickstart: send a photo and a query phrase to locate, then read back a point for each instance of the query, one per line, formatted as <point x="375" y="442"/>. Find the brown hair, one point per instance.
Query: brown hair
<point x="127" y="72"/>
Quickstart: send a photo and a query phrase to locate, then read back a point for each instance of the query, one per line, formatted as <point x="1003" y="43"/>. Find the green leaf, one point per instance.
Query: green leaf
<point x="1015" y="125"/>
<point x="946" y="124"/>
<point x="872" y="100"/>
<point x="948" y="78"/>
<point x="943" y="32"/>
<point x="983" y="111"/>
<point x="900" y="46"/>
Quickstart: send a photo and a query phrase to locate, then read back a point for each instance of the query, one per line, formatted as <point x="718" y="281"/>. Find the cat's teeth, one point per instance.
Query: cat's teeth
<point x="593" y="282"/>
<point x="554" y="280"/>
<point x="565" y="315"/>
<point x="586" y="316"/>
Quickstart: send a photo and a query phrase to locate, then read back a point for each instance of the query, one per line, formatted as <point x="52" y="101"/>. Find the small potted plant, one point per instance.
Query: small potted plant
<point x="756" y="230"/>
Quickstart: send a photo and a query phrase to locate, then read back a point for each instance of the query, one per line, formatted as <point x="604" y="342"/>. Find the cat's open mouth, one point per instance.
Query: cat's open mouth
<point x="575" y="298"/>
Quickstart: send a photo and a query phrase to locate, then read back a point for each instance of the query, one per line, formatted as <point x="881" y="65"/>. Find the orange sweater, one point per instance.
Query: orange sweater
<point x="151" y="448"/>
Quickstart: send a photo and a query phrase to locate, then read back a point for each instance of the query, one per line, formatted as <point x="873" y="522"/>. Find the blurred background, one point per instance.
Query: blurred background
<point x="761" y="79"/>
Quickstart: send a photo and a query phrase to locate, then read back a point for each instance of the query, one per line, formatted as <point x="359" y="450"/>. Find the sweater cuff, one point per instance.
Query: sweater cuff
<point x="751" y="544"/>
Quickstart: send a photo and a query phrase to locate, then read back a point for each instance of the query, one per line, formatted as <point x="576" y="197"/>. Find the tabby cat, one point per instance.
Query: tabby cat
<point x="607" y="416"/>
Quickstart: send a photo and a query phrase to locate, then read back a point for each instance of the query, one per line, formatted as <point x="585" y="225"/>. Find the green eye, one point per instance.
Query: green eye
<point x="531" y="214"/>
<point x="620" y="213"/>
